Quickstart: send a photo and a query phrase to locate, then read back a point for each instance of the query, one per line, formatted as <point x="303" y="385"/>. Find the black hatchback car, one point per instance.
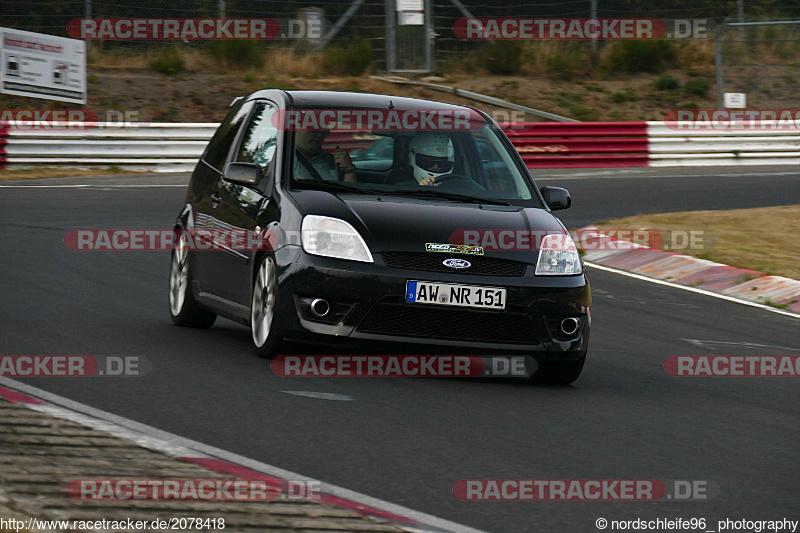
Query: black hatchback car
<point x="437" y="235"/>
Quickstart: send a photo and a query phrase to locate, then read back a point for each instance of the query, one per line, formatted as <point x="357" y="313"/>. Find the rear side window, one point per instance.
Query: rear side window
<point x="260" y="138"/>
<point x="217" y="150"/>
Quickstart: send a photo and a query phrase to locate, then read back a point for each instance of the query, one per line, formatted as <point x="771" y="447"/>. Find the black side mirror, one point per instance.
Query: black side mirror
<point x="246" y="174"/>
<point x="556" y="198"/>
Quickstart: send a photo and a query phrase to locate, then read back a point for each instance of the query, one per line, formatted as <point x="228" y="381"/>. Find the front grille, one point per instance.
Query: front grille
<point x="433" y="322"/>
<point x="432" y="262"/>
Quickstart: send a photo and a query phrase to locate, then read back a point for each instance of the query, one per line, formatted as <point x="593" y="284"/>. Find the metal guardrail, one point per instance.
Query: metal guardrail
<point x="159" y="147"/>
<point x="491" y="100"/>
<point x="177" y="147"/>
<point x="671" y="144"/>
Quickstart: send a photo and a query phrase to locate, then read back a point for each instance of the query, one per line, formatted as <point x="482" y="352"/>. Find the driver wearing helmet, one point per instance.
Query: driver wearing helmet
<point x="430" y="155"/>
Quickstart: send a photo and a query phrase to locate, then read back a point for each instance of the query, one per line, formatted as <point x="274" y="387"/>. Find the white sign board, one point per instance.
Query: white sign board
<point x="409" y="5"/>
<point x="735" y="100"/>
<point x="411" y="18"/>
<point x="42" y="66"/>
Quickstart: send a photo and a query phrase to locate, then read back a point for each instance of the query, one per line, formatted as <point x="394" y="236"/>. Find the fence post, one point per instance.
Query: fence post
<point x="718" y="62"/>
<point x="430" y="35"/>
<point x="390" y="36"/>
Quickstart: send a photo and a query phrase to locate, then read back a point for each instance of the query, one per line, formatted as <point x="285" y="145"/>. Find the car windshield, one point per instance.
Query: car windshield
<point x="469" y="164"/>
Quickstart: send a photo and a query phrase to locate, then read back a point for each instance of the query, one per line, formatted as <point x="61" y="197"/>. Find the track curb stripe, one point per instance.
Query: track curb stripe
<point x="220" y="460"/>
<point x="700" y="275"/>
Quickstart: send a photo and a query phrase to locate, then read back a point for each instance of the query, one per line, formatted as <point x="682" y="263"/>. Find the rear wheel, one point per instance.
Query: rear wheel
<point x="182" y="306"/>
<point x="559" y="372"/>
<point x="263" y="328"/>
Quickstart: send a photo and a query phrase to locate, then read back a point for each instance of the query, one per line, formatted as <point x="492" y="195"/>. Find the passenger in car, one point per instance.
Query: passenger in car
<point x="314" y="163"/>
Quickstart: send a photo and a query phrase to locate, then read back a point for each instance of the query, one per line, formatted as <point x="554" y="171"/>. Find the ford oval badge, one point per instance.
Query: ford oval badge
<point x="456" y="263"/>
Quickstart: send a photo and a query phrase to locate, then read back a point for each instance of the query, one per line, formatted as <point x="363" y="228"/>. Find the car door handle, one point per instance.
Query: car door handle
<point x="215" y="199"/>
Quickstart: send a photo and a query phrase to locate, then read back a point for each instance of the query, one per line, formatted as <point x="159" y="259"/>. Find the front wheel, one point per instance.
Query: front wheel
<point x="182" y="306"/>
<point x="559" y="372"/>
<point x="263" y="327"/>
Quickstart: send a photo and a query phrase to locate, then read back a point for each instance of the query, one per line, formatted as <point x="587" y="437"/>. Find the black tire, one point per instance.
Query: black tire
<point x="183" y="307"/>
<point x="559" y="372"/>
<point x="264" y="332"/>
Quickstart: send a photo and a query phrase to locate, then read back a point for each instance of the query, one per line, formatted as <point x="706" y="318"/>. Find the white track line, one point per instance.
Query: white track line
<point x="694" y="289"/>
<point x="86" y="186"/>
<point x="175" y="445"/>
<point x="599" y="175"/>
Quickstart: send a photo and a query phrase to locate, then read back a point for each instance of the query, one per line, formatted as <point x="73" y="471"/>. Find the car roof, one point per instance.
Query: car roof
<point x="335" y="99"/>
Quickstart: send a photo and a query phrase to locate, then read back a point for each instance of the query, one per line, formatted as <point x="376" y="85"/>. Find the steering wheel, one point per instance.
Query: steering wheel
<point x="463" y="181"/>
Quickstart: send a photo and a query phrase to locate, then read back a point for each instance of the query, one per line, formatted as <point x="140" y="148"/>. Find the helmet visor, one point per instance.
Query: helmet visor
<point x="432" y="163"/>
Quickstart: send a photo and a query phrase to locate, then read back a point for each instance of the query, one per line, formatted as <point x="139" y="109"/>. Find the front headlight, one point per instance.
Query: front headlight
<point x="332" y="237"/>
<point x="558" y="256"/>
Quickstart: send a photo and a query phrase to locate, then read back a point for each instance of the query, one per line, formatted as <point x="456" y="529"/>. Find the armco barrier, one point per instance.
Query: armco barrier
<point x="151" y="147"/>
<point x="177" y="147"/>
<point x="674" y="145"/>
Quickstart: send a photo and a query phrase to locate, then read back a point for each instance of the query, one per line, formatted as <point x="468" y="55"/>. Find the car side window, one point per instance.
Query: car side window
<point x="498" y="177"/>
<point x="220" y="145"/>
<point x="260" y="138"/>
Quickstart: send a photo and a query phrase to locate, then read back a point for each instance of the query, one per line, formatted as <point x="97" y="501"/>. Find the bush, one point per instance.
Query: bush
<point x="560" y="68"/>
<point x="350" y="61"/>
<point x="696" y="87"/>
<point x="642" y="56"/>
<point x="577" y="111"/>
<point x="168" y="61"/>
<point x="238" y="53"/>
<point x="667" y="83"/>
<point x="502" y="57"/>
<point x="627" y="96"/>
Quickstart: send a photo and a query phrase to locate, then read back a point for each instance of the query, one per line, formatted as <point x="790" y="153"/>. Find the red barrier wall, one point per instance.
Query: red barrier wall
<point x="580" y="144"/>
<point x="3" y="142"/>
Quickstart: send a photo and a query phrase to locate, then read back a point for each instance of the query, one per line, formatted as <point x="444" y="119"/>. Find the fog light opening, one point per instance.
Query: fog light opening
<point x="320" y="307"/>
<point x="569" y="325"/>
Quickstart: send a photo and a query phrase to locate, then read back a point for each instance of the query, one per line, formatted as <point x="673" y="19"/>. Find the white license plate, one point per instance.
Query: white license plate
<point x="428" y="292"/>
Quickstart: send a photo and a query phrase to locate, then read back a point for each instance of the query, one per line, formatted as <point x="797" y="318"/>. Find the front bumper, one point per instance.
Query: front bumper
<point x="367" y="303"/>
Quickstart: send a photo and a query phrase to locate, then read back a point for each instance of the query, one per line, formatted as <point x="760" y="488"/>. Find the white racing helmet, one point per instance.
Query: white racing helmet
<point x="430" y="155"/>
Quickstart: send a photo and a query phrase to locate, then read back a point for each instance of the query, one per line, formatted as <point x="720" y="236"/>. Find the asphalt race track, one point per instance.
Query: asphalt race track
<point x="409" y="440"/>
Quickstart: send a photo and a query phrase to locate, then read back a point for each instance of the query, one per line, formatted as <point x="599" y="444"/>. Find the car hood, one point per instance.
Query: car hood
<point x="405" y="224"/>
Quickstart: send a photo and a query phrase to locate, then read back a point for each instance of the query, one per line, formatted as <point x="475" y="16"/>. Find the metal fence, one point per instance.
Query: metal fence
<point x="759" y="59"/>
<point x="429" y="46"/>
<point x="367" y="22"/>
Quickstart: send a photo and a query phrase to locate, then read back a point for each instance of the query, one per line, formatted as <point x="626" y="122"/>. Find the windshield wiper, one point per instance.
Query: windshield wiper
<point x="333" y="186"/>
<point x="456" y="197"/>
